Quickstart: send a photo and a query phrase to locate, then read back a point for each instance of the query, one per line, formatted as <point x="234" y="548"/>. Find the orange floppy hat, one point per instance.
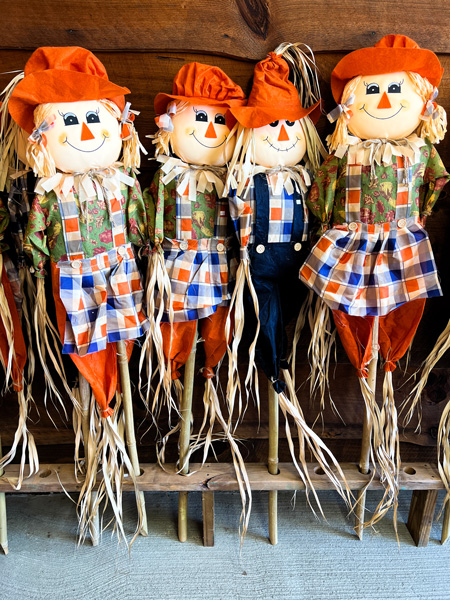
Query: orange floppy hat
<point x="66" y="74"/>
<point x="201" y="84"/>
<point x="391" y="54"/>
<point x="273" y="96"/>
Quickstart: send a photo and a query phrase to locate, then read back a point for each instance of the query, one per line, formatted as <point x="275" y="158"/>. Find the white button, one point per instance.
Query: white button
<point x="220" y="247"/>
<point x="76" y="264"/>
<point x="184" y="245"/>
<point x="297" y="247"/>
<point x="401" y="223"/>
<point x="260" y="248"/>
<point x="353" y="226"/>
<point x="122" y="251"/>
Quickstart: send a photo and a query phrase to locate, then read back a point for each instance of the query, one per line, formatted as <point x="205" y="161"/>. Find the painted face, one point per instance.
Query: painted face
<point x="200" y="135"/>
<point x="282" y="143"/>
<point x="386" y="106"/>
<point x="85" y="136"/>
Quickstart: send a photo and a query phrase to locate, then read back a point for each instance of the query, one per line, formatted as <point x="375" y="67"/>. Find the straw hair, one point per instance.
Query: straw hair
<point x="162" y="138"/>
<point x="43" y="163"/>
<point x="433" y="129"/>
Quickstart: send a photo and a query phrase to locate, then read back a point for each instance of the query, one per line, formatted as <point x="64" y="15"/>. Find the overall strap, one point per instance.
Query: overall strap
<point x="71" y="226"/>
<point x="261" y="225"/>
<point x="183" y="222"/>
<point x="404" y="188"/>
<point x="221" y="222"/>
<point x="300" y="220"/>
<point x="353" y="188"/>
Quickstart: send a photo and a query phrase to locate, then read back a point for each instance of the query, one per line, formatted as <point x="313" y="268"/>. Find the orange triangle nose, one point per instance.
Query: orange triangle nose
<point x="86" y="133"/>
<point x="211" y="132"/>
<point x="384" y="102"/>
<point x="283" y="136"/>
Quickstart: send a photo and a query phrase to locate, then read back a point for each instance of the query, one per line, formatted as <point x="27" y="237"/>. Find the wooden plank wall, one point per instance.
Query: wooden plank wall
<point x="143" y="43"/>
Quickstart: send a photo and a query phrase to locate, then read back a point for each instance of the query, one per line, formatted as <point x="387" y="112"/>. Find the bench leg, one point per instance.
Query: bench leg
<point x="208" y="518"/>
<point x="421" y="513"/>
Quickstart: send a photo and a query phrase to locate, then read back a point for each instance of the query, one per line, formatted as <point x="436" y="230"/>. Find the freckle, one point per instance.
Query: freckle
<point x="62" y="138"/>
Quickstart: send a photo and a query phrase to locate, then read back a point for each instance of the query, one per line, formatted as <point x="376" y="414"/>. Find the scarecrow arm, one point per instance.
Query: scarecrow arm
<point x="157" y="196"/>
<point x="35" y="242"/>
<point x="136" y="212"/>
<point x="435" y="178"/>
<point x="321" y="198"/>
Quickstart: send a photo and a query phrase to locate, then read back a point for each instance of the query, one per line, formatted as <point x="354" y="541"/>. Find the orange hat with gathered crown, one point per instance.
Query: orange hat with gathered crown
<point x="391" y="54"/>
<point x="201" y="84"/>
<point x="273" y="96"/>
<point x="61" y="74"/>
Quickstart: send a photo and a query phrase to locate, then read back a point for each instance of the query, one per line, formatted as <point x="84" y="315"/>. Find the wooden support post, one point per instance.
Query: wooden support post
<point x="3" y="521"/>
<point x="420" y="518"/>
<point x="85" y="397"/>
<point x="129" y="423"/>
<point x="273" y="463"/>
<point x="364" y="459"/>
<point x="446" y="524"/>
<point x="185" y="435"/>
<point x="208" y="518"/>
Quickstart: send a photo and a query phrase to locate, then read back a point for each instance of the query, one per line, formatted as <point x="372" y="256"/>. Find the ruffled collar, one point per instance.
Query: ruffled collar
<point x="199" y="178"/>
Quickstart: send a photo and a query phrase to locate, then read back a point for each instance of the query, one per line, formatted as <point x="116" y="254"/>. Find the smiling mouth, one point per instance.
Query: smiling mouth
<point x="297" y="139"/>
<point x="382" y="118"/>
<point x="204" y="145"/>
<point x="66" y="141"/>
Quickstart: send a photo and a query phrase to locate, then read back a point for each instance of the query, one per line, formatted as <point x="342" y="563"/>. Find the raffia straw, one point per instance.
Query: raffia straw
<point x="43" y="326"/>
<point x="106" y="450"/>
<point x="319" y="351"/>
<point x="28" y="290"/>
<point x="413" y="399"/>
<point x="10" y="133"/>
<point x="161" y="450"/>
<point x="9" y="330"/>
<point x="385" y="448"/>
<point x="307" y="438"/>
<point x="299" y="325"/>
<point x="443" y="454"/>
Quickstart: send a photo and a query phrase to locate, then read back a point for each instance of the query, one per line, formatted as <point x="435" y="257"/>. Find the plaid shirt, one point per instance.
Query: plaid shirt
<point x="371" y="268"/>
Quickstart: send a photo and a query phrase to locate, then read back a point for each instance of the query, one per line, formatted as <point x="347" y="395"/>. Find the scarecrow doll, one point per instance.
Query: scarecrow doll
<point x="188" y="281"/>
<point x="268" y="185"/>
<point x="87" y="217"/>
<point x="373" y="264"/>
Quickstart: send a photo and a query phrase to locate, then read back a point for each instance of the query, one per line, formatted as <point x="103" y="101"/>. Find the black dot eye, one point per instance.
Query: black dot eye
<point x="200" y="115"/>
<point x="70" y="119"/>
<point x="92" y="117"/>
<point x="274" y="124"/>
<point x="219" y="119"/>
<point x="394" y="88"/>
<point x="290" y="123"/>
<point x="373" y="88"/>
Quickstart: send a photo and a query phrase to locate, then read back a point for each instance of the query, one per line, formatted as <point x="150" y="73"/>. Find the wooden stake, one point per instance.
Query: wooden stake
<point x="185" y="435"/>
<point x="122" y="360"/>
<point x="273" y="463"/>
<point x="85" y="396"/>
<point x="3" y="522"/>
<point x="421" y="513"/>
<point x="364" y="460"/>
<point x="446" y="524"/>
<point x="208" y="518"/>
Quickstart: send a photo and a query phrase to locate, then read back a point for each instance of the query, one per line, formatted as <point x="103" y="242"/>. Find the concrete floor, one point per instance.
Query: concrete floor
<point x="313" y="560"/>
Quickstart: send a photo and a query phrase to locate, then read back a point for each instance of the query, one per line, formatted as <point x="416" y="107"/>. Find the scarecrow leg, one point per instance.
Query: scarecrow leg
<point x="85" y="395"/>
<point x="185" y="434"/>
<point x="3" y="528"/>
<point x="129" y="423"/>
<point x="446" y="524"/>
<point x="273" y="463"/>
<point x="364" y="460"/>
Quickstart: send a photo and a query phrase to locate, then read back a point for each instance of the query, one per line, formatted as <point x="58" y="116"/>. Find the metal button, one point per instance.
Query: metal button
<point x="122" y="251"/>
<point x="401" y="223"/>
<point x="260" y="248"/>
<point x="297" y="247"/>
<point x="353" y="226"/>
<point x="76" y="264"/>
<point x="184" y="245"/>
<point x="220" y="247"/>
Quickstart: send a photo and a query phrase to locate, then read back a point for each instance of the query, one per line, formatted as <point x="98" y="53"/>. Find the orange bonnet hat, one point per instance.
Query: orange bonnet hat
<point x="66" y="74"/>
<point x="391" y="54"/>
<point x="273" y="96"/>
<point x="201" y="84"/>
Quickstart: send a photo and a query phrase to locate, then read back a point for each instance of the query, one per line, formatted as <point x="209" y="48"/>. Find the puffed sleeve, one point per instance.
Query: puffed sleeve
<point x="321" y="197"/>
<point x="435" y="178"/>
<point x="35" y="242"/>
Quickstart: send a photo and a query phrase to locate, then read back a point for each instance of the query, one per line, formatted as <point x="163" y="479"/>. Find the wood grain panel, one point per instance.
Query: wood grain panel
<point x="242" y="28"/>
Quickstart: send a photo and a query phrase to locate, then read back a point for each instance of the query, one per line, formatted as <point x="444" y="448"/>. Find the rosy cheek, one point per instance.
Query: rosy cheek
<point x="405" y="104"/>
<point x="62" y="138"/>
<point x="105" y="133"/>
<point x="360" y="105"/>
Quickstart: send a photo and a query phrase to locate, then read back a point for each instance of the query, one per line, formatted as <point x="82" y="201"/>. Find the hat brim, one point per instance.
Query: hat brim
<point x="162" y="100"/>
<point x="377" y="61"/>
<point x="253" y="117"/>
<point x="58" y="85"/>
